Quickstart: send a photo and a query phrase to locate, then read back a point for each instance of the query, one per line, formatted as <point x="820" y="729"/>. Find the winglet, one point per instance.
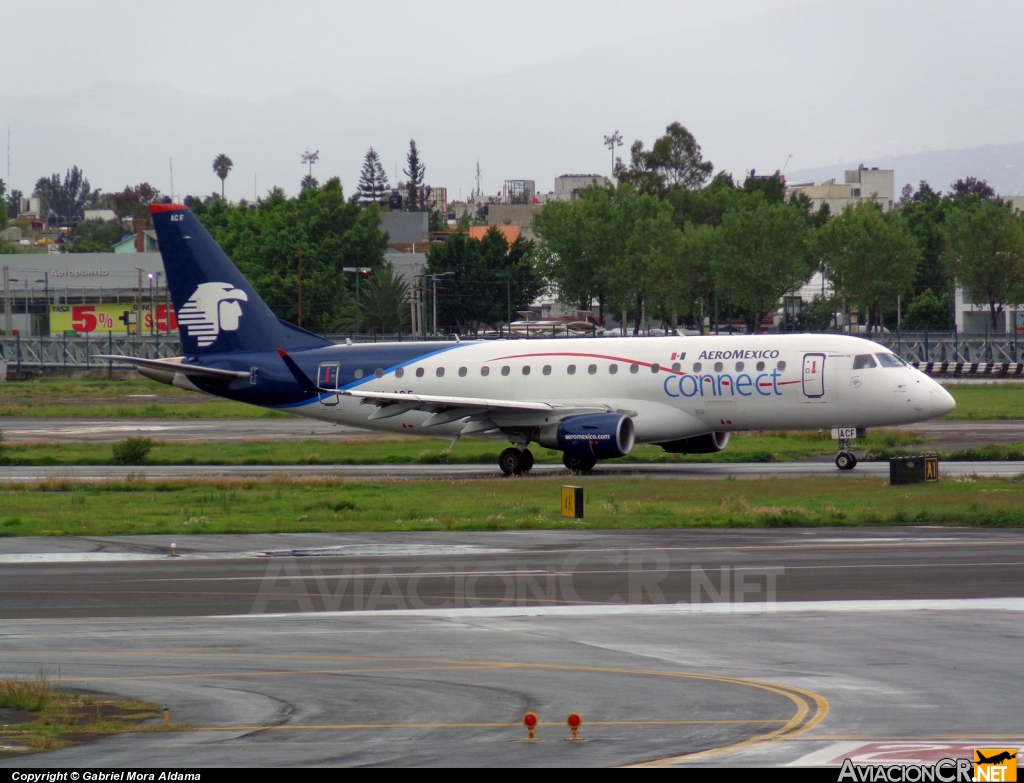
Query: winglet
<point x="303" y="380"/>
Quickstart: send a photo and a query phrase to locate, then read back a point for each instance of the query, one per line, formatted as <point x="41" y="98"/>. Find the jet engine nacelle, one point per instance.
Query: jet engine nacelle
<point x="600" y="435"/>
<point x="699" y="444"/>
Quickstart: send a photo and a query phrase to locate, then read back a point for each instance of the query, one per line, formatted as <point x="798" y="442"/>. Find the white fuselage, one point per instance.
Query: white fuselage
<point x="672" y="387"/>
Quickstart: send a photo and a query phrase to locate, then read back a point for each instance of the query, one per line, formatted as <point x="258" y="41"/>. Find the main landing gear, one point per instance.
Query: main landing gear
<point x="845" y="460"/>
<point x="515" y="461"/>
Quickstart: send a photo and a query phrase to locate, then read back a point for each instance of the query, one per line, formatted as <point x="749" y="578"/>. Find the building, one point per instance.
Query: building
<point x="130" y="244"/>
<point x="568" y="186"/>
<point x="436" y="200"/>
<point x="108" y="283"/>
<point x="861" y="184"/>
<point x="520" y="215"/>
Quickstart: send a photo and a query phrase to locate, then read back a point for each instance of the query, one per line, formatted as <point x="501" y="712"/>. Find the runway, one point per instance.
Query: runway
<point x="762" y="647"/>
<point x="944" y="435"/>
<point x="611" y="469"/>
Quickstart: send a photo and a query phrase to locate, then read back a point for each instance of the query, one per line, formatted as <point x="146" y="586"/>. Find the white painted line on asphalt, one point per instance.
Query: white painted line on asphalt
<point x="607" y="610"/>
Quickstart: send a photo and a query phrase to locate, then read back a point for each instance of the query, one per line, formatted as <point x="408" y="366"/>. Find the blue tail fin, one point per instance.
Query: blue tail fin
<point x="218" y="311"/>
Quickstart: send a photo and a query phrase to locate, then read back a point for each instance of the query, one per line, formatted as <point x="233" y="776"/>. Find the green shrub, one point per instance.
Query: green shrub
<point x="132" y="451"/>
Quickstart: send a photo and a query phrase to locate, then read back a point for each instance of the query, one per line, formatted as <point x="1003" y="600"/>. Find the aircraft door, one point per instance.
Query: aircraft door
<point x="814" y="375"/>
<point x="327" y="378"/>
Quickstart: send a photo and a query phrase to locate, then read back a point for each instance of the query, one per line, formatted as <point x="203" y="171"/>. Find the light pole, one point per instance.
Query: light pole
<point x="358" y="271"/>
<point x="152" y="304"/>
<point x="507" y="274"/>
<point x="611" y="142"/>
<point x="46" y="288"/>
<point x="434" y="286"/>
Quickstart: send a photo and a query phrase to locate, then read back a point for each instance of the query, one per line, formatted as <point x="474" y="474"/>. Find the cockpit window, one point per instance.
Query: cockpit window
<point x="863" y="361"/>
<point x="889" y="360"/>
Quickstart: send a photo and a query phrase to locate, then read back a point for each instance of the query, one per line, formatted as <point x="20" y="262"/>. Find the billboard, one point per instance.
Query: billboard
<point x="127" y="317"/>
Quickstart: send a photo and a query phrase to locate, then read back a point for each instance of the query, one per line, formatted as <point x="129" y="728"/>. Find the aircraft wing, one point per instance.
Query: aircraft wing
<point x="480" y="411"/>
<point x="424" y="401"/>
<point x="166" y="365"/>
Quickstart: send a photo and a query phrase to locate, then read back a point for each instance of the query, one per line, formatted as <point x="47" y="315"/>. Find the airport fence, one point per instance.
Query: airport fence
<point x="938" y="353"/>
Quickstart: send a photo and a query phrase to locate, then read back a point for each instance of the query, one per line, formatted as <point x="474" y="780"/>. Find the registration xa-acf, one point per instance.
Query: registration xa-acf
<point x="591" y="399"/>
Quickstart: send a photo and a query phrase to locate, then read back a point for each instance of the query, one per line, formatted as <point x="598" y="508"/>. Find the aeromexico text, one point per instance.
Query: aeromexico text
<point x="738" y="354"/>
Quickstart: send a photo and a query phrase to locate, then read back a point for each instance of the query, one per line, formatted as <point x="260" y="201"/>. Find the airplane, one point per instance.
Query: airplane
<point x="590" y="398"/>
<point x="1003" y="756"/>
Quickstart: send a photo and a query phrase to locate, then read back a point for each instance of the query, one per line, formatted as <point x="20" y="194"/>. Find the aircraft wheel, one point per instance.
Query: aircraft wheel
<point x="527" y="460"/>
<point x="511" y="462"/>
<point x="578" y="463"/>
<point x="845" y="460"/>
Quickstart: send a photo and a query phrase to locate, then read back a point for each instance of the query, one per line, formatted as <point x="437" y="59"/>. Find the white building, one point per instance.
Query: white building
<point x="861" y="184"/>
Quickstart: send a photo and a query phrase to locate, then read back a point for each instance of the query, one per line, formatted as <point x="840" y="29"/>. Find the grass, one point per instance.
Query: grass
<point x="987" y="401"/>
<point x="744" y="447"/>
<point x="322" y="504"/>
<point x="58" y="719"/>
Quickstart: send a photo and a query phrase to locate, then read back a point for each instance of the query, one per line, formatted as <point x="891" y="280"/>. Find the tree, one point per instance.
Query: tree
<point x="489" y="275"/>
<point x="758" y="256"/>
<point x="870" y="257"/>
<point x="971" y="188"/>
<point x="309" y="181"/>
<point x="383" y="304"/>
<point x="13" y="203"/>
<point x="924" y="214"/>
<point x="222" y="164"/>
<point x="674" y="161"/>
<point x="373" y="180"/>
<point x="66" y="198"/>
<point x="928" y="311"/>
<point x="133" y="202"/>
<point x="265" y="243"/>
<point x="95" y="236"/>
<point x="415" y="172"/>
<point x="985" y="252"/>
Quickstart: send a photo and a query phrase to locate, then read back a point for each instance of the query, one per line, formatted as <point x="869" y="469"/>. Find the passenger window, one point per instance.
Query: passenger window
<point x="571" y="369"/>
<point x="613" y="368"/>
<point x="655" y="367"/>
<point x="634" y="368"/>
<point x="485" y="371"/>
<point x="399" y="372"/>
<point x="781" y="366"/>
<point x="526" y="369"/>
<point x="675" y="367"/>
<point x="592" y="369"/>
<point x="739" y="366"/>
<point x="440" y="372"/>
<point x="358" y="374"/>
<point x="697" y="366"/>
<point x="863" y="361"/>
<point x="419" y="372"/>
<point x="505" y="370"/>
<point x="760" y="366"/>
<point x="462" y="372"/>
<point x="378" y="373"/>
<point x="547" y="369"/>
<point x="718" y="366"/>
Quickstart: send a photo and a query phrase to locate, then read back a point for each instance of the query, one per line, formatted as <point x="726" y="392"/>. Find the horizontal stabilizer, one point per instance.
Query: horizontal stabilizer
<point x="176" y="366"/>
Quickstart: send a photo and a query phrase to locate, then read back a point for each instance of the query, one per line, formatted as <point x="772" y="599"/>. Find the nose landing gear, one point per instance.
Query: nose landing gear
<point x="845" y="459"/>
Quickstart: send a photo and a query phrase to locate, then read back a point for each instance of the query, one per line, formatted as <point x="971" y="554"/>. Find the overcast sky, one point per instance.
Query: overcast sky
<point x="529" y="88"/>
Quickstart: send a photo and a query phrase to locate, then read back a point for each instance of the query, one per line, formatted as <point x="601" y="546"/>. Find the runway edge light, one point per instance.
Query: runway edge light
<point x="530" y="721"/>
<point x="572" y="502"/>
<point x="574" y="721"/>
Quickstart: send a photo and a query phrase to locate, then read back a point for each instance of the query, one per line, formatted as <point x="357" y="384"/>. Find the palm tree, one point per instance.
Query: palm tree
<point x="222" y="164"/>
<point x="383" y="304"/>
